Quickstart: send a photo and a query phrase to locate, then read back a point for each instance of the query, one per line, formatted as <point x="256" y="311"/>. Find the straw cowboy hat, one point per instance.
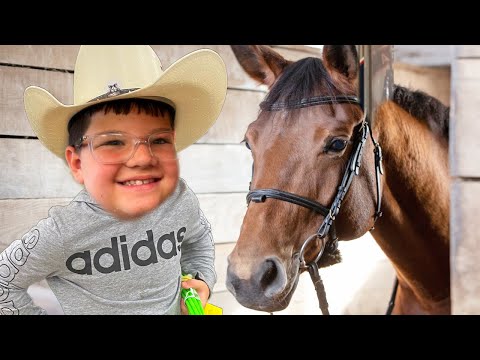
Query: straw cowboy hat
<point x="195" y="85"/>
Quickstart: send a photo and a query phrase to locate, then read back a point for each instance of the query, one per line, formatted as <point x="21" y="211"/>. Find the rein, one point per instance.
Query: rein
<point x="330" y="213"/>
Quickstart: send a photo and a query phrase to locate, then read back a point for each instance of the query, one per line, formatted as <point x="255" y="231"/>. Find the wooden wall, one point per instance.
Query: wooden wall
<point x="217" y="167"/>
<point x="434" y="80"/>
<point x="465" y="173"/>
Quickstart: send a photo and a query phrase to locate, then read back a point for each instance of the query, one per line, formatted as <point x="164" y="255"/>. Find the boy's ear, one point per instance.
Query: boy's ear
<point x="74" y="163"/>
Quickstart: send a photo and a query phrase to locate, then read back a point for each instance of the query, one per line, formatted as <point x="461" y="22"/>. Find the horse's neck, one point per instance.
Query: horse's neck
<point x="414" y="229"/>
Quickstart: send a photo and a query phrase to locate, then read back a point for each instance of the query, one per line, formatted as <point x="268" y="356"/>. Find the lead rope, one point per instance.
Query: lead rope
<point x="312" y="268"/>
<point x="391" y="303"/>
<point x="319" y="288"/>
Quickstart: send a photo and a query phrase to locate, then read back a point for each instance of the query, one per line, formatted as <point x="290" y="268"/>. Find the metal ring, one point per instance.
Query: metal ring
<point x="304" y="246"/>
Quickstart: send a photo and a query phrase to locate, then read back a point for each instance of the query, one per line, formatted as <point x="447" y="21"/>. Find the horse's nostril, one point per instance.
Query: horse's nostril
<point x="271" y="277"/>
<point x="269" y="274"/>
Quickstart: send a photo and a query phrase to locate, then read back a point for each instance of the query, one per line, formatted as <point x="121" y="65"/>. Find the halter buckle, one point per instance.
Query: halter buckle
<point x="378" y="157"/>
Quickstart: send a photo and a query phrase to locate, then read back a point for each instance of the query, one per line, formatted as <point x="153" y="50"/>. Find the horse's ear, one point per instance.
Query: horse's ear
<point x="260" y="62"/>
<point x="341" y="59"/>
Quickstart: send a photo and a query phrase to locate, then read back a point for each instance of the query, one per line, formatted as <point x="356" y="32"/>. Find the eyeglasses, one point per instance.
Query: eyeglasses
<point x="118" y="147"/>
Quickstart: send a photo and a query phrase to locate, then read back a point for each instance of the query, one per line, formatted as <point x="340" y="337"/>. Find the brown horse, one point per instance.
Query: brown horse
<point x="312" y="152"/>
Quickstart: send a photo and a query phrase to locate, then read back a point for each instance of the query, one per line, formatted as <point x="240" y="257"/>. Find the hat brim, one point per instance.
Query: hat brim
<point x="196" y="84"/>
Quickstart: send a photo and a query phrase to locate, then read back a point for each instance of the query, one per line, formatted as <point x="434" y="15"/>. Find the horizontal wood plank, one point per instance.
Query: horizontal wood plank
<point x="64" y="57"/>
<point x="30" y="171"/>
<point x="221" y="263"/>
<point x="467" y="51"/>
<point x="240" y="109"/>
<point x="44" y="56"/>
<point x="302" y="50"/>
<point x="216" y="168"/>
<point x="294" y="54"/>
<point x="424" y="55"/>
<point x="19" y="216"/>
<point x="14" y="81"/>
<point x="435" y="81"/>
<point x="225" y="214"/>
<point x="237" y="78"/>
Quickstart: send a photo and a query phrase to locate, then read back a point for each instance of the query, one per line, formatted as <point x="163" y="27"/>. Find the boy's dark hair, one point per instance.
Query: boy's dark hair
<point x="79" y="123"/>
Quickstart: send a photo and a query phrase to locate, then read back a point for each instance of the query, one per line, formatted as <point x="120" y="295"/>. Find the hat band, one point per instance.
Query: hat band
<point x="114" y="90"/>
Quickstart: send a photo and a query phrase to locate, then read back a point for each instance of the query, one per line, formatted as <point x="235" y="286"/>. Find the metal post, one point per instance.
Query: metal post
<point x="376" y="84"/>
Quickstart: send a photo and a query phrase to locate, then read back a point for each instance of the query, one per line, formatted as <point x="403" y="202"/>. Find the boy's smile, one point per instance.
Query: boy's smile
<point x="130" y="189"/>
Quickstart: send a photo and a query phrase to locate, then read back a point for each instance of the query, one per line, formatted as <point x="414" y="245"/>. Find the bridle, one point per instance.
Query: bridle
<point x="329" y="212"/>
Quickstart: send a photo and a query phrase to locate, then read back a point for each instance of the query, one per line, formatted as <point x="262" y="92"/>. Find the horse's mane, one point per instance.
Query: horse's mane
<point x="423" y="107"/>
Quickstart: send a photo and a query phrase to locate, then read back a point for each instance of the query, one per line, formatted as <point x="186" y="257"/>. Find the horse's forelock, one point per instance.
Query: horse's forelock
<point x="304" y="79"/>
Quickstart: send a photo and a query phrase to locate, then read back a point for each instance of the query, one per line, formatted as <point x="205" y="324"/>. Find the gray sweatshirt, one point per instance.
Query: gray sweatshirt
<point x="97" y="264"/>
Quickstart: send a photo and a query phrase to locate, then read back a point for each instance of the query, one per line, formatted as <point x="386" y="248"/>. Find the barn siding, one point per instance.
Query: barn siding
<point x="465" y="172"/>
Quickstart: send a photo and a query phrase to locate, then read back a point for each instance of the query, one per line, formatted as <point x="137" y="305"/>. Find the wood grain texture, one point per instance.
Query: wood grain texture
<point x="464" y="130"/>
<point x="297" y="52"/>
<point x="464" y="244"/>
<point x="221" y="263"/>
<point x="434" y="81"/>
<point x="64" y="57"/>
<point x="424" y="55"/>
<point x="45" y="56"/>
<point x="29" y="170"/>
<point x="216" y="168"/>
<point x="14" y="81"/>
<point x="467" y="51"/>
<point x="225" y="214"/>
<point x="19" y="216"/>
<point x="240" y="109"/>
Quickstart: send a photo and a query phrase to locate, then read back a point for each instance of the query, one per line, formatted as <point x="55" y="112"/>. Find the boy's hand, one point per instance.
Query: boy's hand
<point x="201" y="288"/>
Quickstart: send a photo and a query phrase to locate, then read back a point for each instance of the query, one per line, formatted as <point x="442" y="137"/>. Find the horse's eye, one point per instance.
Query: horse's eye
<point x="247" y="145"/>
<point x="337" y="145"/>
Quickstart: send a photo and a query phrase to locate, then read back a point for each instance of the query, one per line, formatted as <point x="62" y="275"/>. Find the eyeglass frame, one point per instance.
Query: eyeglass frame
<point x="144" y="140"/>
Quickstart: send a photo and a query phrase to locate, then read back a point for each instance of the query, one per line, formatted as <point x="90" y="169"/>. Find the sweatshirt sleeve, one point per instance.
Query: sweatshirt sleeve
<point x="37" y="255"/>
<point x="198" y="249"/>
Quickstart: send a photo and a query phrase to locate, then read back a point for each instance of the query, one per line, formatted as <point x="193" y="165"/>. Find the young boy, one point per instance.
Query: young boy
<point x="122" y="244"/>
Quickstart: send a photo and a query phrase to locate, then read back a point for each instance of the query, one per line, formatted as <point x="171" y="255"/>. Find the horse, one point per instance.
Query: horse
<point x="322" y="172"/>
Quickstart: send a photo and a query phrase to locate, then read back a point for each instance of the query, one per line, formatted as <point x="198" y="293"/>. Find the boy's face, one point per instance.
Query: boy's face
<point x="133" y="188"/>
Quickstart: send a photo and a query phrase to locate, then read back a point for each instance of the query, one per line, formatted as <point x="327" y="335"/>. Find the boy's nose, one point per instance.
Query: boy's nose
<point x="142" y="155"/>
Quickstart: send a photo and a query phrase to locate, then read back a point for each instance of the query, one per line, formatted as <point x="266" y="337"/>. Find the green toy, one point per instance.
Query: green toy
<point x="191" y="298"/>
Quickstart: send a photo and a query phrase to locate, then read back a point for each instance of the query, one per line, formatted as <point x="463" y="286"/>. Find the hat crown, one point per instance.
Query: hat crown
<point x="101" y="69"/>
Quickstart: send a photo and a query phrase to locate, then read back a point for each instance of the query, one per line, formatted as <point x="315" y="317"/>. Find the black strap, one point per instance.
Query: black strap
<point x="391" y="303"/>
<point x="312" y="101"/>
<point x="261" y="195"/>
<point x="378" y="173"/>
<point x="319" y="288"/>
<point x="351" y="170"/>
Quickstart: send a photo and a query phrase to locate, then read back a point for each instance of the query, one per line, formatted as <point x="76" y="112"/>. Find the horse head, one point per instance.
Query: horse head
<point x="313" y="168"/>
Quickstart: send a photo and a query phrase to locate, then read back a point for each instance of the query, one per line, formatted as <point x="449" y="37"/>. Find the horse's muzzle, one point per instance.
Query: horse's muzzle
<point x="264" y="289"/>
